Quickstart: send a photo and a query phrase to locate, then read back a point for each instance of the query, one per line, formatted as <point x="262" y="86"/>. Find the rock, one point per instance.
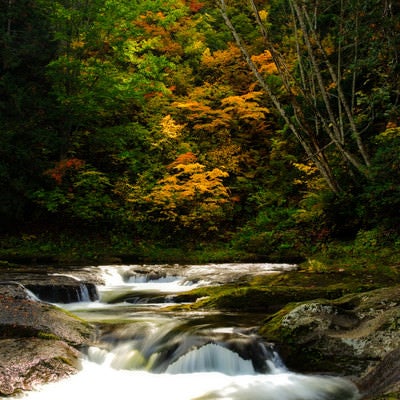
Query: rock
<point x="38" y="342"/>
<point x="22" y="316"/>
<point x="356" y="336"/>
<point x="52" y="286"/>
<point x="29" y="362"/>
<point x="65" y="290"/>
<point x="384" y="378"/>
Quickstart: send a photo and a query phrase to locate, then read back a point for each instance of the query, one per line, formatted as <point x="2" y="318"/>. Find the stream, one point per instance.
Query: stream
<point x="147" y="351"/>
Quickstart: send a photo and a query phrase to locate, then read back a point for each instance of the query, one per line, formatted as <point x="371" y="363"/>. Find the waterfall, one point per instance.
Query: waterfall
<point x="83" y="293"/>
<point x="146" y="352"/>
<point x="211" y="357"/>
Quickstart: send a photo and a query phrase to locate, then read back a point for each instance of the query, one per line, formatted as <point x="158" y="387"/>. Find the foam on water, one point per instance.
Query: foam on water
<point x="191" y="359"/>
<point x="122" y="279"/>
<point x="211" y="357"/>
<point x="102" y="382"/>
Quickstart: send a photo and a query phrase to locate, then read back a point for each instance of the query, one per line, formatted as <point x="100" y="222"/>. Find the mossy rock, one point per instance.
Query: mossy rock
<point x="347" y="336"/>
<point x="268" y="299"/>
<point x="268" y="293"/>
<point x="23" y="316"/>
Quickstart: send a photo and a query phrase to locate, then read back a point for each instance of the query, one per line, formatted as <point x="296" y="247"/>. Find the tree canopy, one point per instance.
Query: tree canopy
<point x="273" y="126"/>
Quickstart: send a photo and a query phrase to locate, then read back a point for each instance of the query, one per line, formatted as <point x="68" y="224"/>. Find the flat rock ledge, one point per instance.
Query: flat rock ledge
<point x="356" y="336"/>
<point x="39" y="343"/>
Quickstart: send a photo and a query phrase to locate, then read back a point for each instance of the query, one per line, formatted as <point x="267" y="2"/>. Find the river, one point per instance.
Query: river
<point x="148" y="352"/>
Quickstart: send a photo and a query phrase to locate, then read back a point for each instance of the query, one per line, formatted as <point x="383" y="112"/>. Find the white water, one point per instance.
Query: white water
<point x="160" y="355"/>
<point x="211" y="357"/>
<point x="103" y="383"/>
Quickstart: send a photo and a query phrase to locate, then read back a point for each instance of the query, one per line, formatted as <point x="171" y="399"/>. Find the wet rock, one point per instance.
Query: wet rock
<point x="357" y="335"/>
<point x="384" y="378"/>
<point x="29" y="362"/>
<point x="65" y="290"/>
<point x="52" y="286"/>
<point x="38" y="342"/>
<point x="23" y="316"/>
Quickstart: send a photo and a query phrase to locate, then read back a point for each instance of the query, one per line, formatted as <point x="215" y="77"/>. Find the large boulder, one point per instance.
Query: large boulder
<point x="22" y="315"/>
<point x="356" y="336"/>
<point x="28" y="362"/>
<point x="38" y="342"/>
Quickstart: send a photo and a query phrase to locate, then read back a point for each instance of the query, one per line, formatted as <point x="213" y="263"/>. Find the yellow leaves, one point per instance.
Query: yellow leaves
<point x="216" y="174"/>
<point x="308" y="169"/>
<point x="195" y="47"/>
<point x="264" y="62"/>
<point x="245" y="106"/>
<point x="220" y="58"/>
<point x="189" y="193"/>
<point x="312" y="179"/>
<point x="170" y="128"/>
<point x="232" y="109"/>
<point x="190" y="182"/>
<point x="132" y="49"/>
<point x="204" y="117"/>
<point x="207" y="55"/>
<point x="169" y="133"/>
<point x="391" y="132"/>
<point x="263" y="14"/>
<point x="227" y="156"/>
<point x="77" y="44"/>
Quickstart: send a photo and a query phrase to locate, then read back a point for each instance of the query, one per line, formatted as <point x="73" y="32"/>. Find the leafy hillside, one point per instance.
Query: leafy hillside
<point x="271" y="128"/>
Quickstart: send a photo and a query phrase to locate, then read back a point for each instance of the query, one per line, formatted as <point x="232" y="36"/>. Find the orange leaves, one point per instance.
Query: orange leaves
<point x="265" y="63"/>
<point x="183" y="159"/>
<point x="195" y="6"/>
<point x="221" y="58"/>
<point x="153" y="26"/>
<point x="191" y="182"/>
<point x="62" y="167"/>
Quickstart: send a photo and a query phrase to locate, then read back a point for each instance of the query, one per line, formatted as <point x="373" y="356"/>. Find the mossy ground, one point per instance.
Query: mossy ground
<point x="71" y="248"/>
<point x="269" y="293"/>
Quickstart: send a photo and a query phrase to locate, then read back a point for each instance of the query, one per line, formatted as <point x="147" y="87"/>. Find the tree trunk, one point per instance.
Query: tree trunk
<point x="307" y="141"/>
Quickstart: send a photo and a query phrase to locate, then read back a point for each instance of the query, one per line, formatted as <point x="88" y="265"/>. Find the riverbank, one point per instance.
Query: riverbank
<point x="71" y="248"/>
<point x="337" y="270"/>
<point x="366" y="252"/>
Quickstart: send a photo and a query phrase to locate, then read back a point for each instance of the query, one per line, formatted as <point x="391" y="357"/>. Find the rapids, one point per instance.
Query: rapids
<point x="148" y="352"/>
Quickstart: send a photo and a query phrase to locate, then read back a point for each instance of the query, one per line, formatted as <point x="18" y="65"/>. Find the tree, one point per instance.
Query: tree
<point x="26" y="136"/>
<point x="189" y="200"/>
<point x="323" y="115"/>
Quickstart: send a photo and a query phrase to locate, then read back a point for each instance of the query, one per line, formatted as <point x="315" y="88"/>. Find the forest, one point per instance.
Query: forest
<point x="264" y="128"/>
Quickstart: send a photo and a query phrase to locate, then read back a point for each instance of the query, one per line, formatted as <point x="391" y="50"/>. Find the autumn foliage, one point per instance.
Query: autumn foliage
<point x="63" y="167"/>
<point x="264" y="124"/>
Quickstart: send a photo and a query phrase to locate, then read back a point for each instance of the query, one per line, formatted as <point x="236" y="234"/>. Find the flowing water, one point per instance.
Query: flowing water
<point x="147" y="352"/>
